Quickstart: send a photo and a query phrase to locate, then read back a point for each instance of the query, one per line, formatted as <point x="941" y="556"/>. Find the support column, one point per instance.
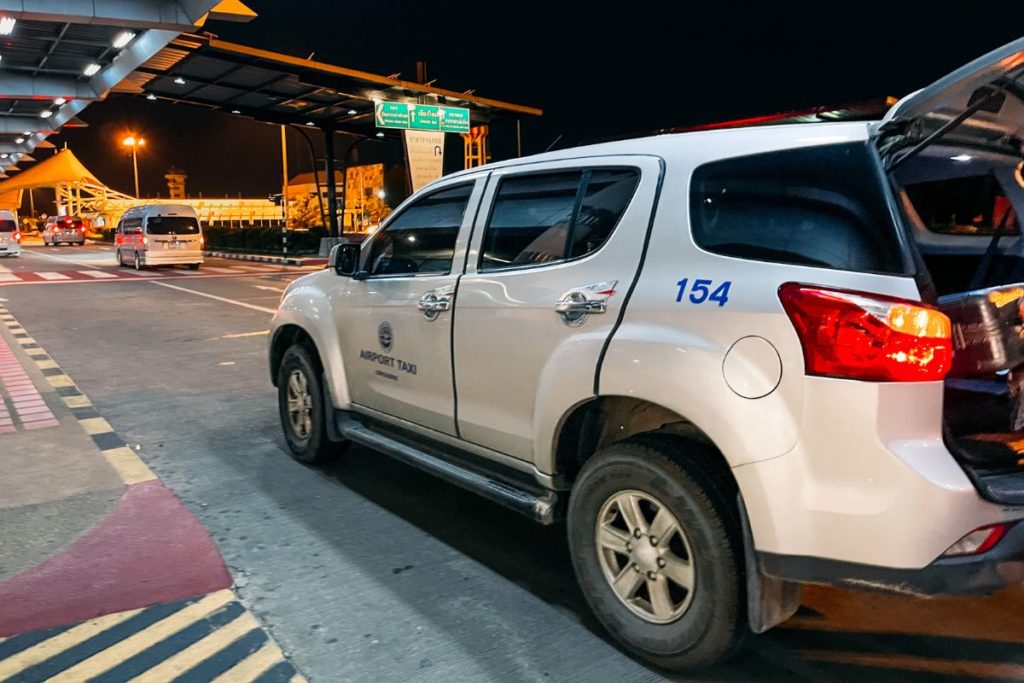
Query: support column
<point x="332" y="198"/>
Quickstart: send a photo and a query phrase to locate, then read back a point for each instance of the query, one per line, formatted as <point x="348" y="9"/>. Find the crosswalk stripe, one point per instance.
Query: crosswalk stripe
<point x="53" y="276"/>
<point x="141" y="273"/>
<point x="61" y="642"/>
<point x="98" y="274"/>
<point x="9" y="277"/>
<point x="218" y="269"/>
<point x="250" y="668"/>
<point x="136" y="643"/>
<point x="172" y="667"/>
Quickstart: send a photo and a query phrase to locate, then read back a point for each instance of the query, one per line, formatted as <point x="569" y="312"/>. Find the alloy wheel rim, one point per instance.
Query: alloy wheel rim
<point x="300" y="405"/>
<point x="645" y="556"/>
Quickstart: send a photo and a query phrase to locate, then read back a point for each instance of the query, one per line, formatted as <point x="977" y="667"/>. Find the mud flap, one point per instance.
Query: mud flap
<point x="770" y="601"/>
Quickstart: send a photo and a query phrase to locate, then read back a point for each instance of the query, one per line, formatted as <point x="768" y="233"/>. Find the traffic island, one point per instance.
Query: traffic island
<point x="103" y="570"/>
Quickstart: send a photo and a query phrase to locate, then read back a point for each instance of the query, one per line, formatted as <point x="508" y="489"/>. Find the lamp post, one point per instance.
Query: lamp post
<point x="134" y="143"/>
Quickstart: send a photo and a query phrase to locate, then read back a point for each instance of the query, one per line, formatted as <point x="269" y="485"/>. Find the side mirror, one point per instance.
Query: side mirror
<point x="345" y="259"/>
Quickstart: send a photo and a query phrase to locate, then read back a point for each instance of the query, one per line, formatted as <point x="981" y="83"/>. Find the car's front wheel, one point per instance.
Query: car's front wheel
<point x="301" y="407"/>
<point x="657" y="548"/>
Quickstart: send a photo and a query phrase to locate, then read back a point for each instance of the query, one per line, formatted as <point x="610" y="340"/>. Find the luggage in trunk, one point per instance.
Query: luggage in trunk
<point x="988" y="329"/>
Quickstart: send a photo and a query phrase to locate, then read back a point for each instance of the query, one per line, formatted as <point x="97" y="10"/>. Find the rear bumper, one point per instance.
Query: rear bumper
<point x="160" y="258"/>
<point x="77" y="238"/>
<point x="972" y="575"/>
<point x="7" y="249"/>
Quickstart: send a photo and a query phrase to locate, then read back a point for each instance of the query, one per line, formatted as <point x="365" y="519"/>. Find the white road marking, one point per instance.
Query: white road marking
<point x="217" y="298"/>
<point x="269" y="289"/>
<point x="4" y="269"/>
<point x="227" y="362"/>
<point x="53" y="276"/>
<point x="9" y="277"/>
<point x="141" y="273"/>
<point x="240" y="335"/>
<point x="98" y="274"/>
<point x="216" y="269"/>
<point x="102" y="258"/>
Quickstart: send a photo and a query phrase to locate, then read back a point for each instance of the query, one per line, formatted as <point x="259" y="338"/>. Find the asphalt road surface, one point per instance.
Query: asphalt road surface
<point x="370" y="569"/>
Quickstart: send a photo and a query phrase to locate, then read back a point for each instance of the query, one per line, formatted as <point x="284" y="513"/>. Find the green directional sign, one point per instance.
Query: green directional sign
<point x="408" y="115"/>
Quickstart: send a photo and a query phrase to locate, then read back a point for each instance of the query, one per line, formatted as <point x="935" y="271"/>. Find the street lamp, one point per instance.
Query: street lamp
<point x="134" y="143"/>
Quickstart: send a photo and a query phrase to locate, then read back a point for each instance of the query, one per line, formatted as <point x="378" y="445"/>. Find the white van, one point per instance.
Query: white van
<point x="159" y="235"/>
<point x="10" y="236"/>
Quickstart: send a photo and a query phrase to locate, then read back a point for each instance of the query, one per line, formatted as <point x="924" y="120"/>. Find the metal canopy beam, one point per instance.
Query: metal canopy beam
<point x="171" y="15"/>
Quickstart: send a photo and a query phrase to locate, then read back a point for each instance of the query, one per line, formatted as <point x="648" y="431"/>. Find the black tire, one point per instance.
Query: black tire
<point x="136" y="263"/>
<point x="680" y="474"/>
<point x="193" y="266"/>
<point x="316" y="447"/>
<point x="120" y="259"/>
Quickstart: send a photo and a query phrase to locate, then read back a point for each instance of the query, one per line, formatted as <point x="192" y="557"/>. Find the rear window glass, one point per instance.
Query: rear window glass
<point x="823" y="206"/>
<point x="172" y="225"/>
<point x="8" y="226"/>
<point x="974" y="205"/>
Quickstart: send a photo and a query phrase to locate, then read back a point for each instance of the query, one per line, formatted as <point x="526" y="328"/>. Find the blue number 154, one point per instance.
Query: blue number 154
<point x="701" y="291"/>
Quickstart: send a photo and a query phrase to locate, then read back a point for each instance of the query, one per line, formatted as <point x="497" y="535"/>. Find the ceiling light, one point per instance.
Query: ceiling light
<point x="4" y="155"/>
<point x="26" y="132"/>
<point x="19" y="140"/>
<point x="7" y="25"/>
<point x="59" y="101"/>
<point x="179" y="80"/>
<point x="961" y="157"/>
<point x="235" y="111"/>
<point x="45" y="114"/>
<point x="91" y="69"/>
<point x="352" y="112"/>
<point x="310" y="123"/>
<point x="123" y="38"/>
<point x="380" y="135"/>
<point x="1" y="57"/>
<point x="150" y="96"/>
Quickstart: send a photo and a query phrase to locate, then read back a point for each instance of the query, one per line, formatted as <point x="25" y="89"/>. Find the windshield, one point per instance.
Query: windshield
<point x="172" y="225"/>
<point x="8" y="226"/>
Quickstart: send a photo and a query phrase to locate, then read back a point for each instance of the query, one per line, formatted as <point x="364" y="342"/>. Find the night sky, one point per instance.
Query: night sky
<point x="598" y="71"/>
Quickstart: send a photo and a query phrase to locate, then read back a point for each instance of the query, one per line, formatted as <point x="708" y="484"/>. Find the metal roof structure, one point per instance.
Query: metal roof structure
<point x="58" y="57"/>
<point x="278" y="88"/>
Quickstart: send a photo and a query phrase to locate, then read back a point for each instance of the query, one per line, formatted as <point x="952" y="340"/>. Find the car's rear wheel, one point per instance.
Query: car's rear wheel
<point x="657" y="548"/>
<point x="137" y="262"/>
<point x="301" y="407"/>
<point x="120" y="259"/>
<point x="193" y="266"/>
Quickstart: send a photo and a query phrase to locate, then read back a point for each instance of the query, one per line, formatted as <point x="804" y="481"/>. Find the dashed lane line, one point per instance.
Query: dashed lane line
<point x="223" y="299"/>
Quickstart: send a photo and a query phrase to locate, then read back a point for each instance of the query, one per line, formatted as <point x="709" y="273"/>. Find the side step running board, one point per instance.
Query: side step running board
<point x="541" y="507"/>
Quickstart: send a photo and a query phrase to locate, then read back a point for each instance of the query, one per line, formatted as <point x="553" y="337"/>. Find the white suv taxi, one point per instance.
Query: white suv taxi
<point x="720" y="356"/>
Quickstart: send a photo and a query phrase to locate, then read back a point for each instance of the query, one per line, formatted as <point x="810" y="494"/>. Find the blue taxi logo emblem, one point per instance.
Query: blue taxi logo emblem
<point x="385" y="336"/>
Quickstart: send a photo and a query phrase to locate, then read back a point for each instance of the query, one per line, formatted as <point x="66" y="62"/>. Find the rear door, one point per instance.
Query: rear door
<point x="173" y="234"/>
<point x="552" y="257"/>
<point x="394" y="326"/>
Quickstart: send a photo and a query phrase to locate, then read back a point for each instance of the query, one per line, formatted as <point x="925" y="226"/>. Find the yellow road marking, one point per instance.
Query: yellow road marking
<point x="60" y="381"/>
<point x="95" y="425"/>
<point x="35" y="352"/>
<point x="174" y="666"/>
<point x="77" y="401"/>
<point x="46" y="364"/>
<point x="136" y="643"/>
<point x="40" y="652"/>
<point x="128" y="465"/>
<point x="298" y="678"/>
<point x="950" y="667"/>
<point x="26" y="340"/>
<point x="250" y="668"/>
<point x="240" y="335"/>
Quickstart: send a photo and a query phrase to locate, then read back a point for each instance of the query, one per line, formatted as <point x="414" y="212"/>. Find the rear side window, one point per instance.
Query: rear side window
<point x="172" y="225"/>
<point x="823" y="206"/>
<point x="548" y="217"/>
<point x="972" y="205"/>
<point x="8" y="226"/>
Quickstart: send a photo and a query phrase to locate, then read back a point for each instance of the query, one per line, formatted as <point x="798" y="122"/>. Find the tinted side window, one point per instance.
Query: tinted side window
<point x="530" y="220"/>
<point x="604" y="201"/>
<point x="422" y="238"/>
<point x="822" y="206"/>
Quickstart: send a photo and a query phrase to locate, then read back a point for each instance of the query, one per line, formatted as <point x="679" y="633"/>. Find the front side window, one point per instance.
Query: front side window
<point x="422" y="238"/>
<point x="544" y="218"/>
<point x="824" y="206"/>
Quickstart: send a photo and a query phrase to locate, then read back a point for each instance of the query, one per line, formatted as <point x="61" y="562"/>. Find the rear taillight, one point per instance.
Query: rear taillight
<point x="81" y="229"/>
<point x="17" y="236"/>
<point x="855" y="335"/>
<point x="979" y="541"/>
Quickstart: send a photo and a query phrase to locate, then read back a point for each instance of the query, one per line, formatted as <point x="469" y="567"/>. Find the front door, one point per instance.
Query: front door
<point x="548" y="269"/>
<point x="395" y="325"/>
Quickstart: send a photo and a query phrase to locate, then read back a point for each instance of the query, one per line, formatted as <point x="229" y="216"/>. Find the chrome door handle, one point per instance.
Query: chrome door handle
<point x="434" y="302"/>
<point x="584" y="307"/>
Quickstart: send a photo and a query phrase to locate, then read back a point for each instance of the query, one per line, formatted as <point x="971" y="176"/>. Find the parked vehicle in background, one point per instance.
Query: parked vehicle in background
<point x="63" y="230"/>
<point x="719" y="355"/>
<point x="159" y="235"/>
<point x="10" y="236"/>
